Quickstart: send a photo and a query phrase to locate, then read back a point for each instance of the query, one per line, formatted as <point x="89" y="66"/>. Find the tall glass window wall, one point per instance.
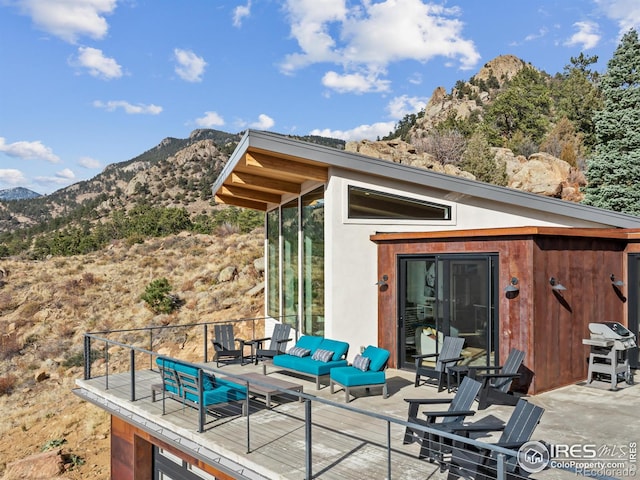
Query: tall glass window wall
<point x="289" y="230"/>
<point x="273" y="268"/>
<point x="313" y="262"/>
<point x="291" y="278"/>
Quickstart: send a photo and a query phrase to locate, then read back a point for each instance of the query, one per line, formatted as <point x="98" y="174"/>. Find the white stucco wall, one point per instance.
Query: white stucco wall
<point x="351" y="306"/>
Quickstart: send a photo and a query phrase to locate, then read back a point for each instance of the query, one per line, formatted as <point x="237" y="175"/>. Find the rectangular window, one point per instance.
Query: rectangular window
<point x="369" y="204"/>
<point x="290" y="227"/>
<point x="313" y="262"/>
<point x="273" y="268"/>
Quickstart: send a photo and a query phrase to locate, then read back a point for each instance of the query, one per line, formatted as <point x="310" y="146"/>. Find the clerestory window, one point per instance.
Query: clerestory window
<point x="370" y="204"/>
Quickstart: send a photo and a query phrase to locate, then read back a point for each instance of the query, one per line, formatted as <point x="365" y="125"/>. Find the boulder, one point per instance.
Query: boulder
<point x="227" y="274"/>
<point x="42" y="465"/>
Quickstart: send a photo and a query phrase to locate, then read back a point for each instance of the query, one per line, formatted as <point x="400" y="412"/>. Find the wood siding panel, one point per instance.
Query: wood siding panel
<point x="132" y="453"/>
<point x="548" y="327"/>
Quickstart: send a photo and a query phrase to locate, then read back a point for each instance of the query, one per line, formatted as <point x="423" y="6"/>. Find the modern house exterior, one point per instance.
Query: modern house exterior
<point x="374" y="252"/>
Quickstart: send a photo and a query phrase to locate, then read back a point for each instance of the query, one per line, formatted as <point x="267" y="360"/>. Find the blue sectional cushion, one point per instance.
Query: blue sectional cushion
<point x="353" y="377"/>
<point x="361" y="363"/>
<point x="225" y="391"/>
<point x="321" y="355"/>
<point x="310" y="342"/>
<point x="306" y="364"/>
<point x="378" y="356"/>
<point x="338" y="348"/>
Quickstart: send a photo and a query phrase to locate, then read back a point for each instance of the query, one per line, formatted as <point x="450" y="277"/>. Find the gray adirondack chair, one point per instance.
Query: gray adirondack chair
<point x="227" y="347"/>
<point x="481" y="464"/>
<point x="459" y="409"/>
<point x="448" y="357"/>
<point x="277" y="342"/>
<point x="496" y="381"/>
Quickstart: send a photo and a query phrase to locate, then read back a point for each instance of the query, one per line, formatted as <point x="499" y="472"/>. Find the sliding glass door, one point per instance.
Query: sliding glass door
<point x="448" y="295"/>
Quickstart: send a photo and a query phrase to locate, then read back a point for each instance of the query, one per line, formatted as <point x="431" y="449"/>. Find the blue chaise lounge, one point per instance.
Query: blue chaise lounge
<point x="309" y="357"/>
<point x="366" y="371"/>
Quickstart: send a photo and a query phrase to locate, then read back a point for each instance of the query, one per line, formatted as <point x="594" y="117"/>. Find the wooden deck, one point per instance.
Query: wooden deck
<point x="346" y="443"/>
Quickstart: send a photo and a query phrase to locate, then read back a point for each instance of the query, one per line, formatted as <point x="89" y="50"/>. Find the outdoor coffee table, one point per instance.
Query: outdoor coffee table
<point x="268" y="386"/>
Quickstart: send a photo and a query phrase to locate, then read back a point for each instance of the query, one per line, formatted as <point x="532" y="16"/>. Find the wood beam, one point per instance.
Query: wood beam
<point x="241" y="202"/>
<point x="264" y="183"/>
<point x="249" y="194"/>
<point x="286" y="167"/>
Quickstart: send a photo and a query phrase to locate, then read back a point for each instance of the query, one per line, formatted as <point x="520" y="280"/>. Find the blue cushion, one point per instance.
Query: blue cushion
<point x="378" y="356"/>
<point x="338" y="348"/>
<point x="310" y="342"/>
<point x="353" y="377"/>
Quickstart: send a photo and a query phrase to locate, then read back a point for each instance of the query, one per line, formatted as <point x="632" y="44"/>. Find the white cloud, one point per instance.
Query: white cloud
<point x="88" y="162"/>
<point x="190" y="66"/>
<point x="240" y="12"/>
<point x="129" y="108"/>
<point x="66" y="174"/>
<point x="586" y="37"/>
<point x="355" y="82"/>
<point x="371" y="35"/>
<point x="534" y="36"/>
<point x="11" y="176"/>
<point x="28" y="150"/>
<point x="210" y="119"/>
<point x="70" y="19"/>
<point x="98" y="65"/>
<point x="625" y="12"/>
<point x="398" y="107"/>
<point x="362" y="132"/>
<point x="264" y="122"/>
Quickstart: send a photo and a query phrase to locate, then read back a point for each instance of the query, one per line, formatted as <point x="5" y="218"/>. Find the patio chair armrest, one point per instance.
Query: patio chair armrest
<point x="510" y="445"/>
<point x="498" y="375"/>
<point x="425" y="355"/>
<point x="451" y="360"/>
<point x="428" y="401"/>
<point x="431" y="416"/>
<point x="284" y="340"/>
<point x="476" y="427"/>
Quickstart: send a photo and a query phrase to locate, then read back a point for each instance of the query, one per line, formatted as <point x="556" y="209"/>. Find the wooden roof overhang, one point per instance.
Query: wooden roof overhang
<point x="258" y="179"/>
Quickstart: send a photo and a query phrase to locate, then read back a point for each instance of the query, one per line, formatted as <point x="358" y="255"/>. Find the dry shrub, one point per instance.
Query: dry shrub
<point x="29" y="309"/>
<point x="188" y="285"/>
<point x="7" y="383"/>
<point x="89" y="278"/>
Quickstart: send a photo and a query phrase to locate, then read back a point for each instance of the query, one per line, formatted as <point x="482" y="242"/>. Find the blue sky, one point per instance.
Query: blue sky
<point x="87" y="83"/>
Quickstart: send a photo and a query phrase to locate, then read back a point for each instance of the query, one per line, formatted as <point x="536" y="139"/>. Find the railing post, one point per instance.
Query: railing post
<point x="201" y="409"/>
<point x="388" y="450"/>
<point x="151" y="348"/>
<point x="206" y="354"/>
<point x="132" y="356"/>
<point x="500" y="473"/>
<point x="87" y="357"/>
<point x="247" y="407"/>
<point x="307" y="433"/>
<point x="106" y="365"/>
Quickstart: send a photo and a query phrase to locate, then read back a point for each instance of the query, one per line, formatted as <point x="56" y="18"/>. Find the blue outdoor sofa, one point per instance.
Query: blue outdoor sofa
<point x="365" y="372"/>
<point x="308" y="357"/>
<point x="193" y="386"/>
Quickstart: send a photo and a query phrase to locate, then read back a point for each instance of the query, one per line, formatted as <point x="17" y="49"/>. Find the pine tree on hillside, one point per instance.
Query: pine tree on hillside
<point x="613" y="173"/>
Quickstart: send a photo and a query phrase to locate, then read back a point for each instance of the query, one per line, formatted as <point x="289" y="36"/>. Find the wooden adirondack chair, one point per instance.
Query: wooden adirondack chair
<point x="496" y="381"/>
<point x="459" y="409"/>
<point x="448" y="357"/>
<point x="224" y="344"/>
<point x="481" y="464"/>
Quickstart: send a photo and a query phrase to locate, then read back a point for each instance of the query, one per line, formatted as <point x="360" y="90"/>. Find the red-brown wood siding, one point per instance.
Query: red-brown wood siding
<point x="548" y="328"/>
<point x="132" y="453"/>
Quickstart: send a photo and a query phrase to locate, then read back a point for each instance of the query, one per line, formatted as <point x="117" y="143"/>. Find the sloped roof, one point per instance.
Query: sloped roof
<point x="265" y="166"/>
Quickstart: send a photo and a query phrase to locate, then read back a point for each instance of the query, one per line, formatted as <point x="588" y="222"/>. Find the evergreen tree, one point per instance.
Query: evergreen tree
<point x="613" y="173"/>
<point x="479" y="160"/>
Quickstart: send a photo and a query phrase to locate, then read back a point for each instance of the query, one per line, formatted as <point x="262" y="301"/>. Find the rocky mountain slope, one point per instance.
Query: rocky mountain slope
<point x="47" y="306"/>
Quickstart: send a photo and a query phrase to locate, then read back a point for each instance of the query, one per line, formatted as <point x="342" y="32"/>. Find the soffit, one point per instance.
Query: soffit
<point x="260" y="178"/>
